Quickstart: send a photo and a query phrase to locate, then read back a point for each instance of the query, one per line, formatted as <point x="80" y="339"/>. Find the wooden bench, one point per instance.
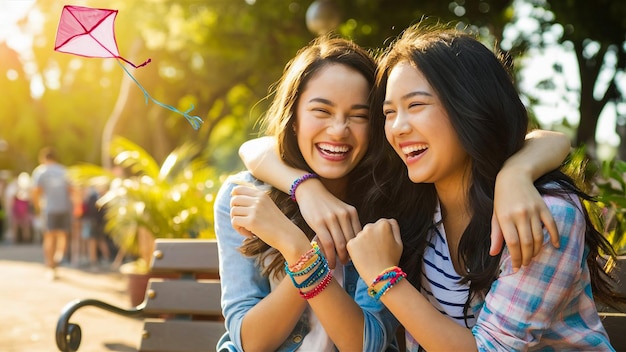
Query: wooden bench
<point x="614" y="321"/>
<point x="181" y="313"/>
<point x="615" y="325"/>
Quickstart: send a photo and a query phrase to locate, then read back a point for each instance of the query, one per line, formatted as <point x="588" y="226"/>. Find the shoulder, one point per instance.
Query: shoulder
<point x="243" y="177"/>
<point x="567" y="205"/>
<point x="240" y="178"/>
<point x="38" y="170"/>
<point x="58" y="169"/>
<point x="569" y="215"/>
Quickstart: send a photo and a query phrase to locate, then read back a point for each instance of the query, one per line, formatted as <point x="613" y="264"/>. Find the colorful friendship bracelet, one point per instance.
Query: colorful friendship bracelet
<point x="392" y="275"/>
<point x="319" y="272"/>
<point x="386" y="274"/>
<point x="313" y="263"/>
<point x="319" y="288"/>
<point x="304" y="261"/>
<point x="306" y="269"/>
<point x="297" y="182"/>
<point x="389" y="284"/>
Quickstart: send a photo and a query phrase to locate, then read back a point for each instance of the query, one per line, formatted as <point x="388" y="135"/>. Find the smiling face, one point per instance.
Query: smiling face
<point x="418" y="128"/>
<point x="332" y="123"/>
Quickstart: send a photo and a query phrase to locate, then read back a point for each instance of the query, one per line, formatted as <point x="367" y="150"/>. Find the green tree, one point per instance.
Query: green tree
<point x="594" y="32"/>
<point x="17" y="112"/>
<point x="220" y="56"/>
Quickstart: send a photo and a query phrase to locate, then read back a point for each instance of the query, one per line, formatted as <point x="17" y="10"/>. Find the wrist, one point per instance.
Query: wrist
<point x="293" y="250"/>
<point x="386" y="279"/>
<point x="370" y="274"/>
<point x="515" y="172"/>
<point x="298" y="184"/>
<point x="310" y="274"/>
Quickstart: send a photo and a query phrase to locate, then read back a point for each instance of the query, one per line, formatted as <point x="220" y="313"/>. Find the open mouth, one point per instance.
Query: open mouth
<point x="333" y="150"/>
<point x="414" y="150"/>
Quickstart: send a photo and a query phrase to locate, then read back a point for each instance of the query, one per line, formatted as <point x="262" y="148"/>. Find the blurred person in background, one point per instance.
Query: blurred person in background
<point x="52" y="199"/>
<point x="92" y="229"/>
<point x="21" y="210"/>
<point x="5" y="186"/>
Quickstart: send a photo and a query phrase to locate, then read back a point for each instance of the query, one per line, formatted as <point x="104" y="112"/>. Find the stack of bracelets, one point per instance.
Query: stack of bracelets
<point x="315" y="265"/>
<point x="384" y="281"/>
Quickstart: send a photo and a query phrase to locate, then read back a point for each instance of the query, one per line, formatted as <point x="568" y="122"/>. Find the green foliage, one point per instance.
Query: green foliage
<point x="173" y="200"/>
<point x="220" y="56"/>
<point x="594" y="32"/>
<point x="608" y="184"/>
<point x="612" y="194"/>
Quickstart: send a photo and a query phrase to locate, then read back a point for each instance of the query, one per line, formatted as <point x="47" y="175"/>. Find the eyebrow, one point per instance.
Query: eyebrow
<point x="410" y="95"/>
<point x="328" y="102"/>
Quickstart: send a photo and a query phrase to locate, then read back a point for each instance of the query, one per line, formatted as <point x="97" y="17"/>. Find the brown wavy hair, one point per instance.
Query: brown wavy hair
<point x="279" y="122"/>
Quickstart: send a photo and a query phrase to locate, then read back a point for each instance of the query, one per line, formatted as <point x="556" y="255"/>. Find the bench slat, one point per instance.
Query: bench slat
<point x="179" y="335"/>
<point x="165" y="296"/>
<point x="615" y="326"/>
<point x="175" y="255"/>
<point x="181" y="307"/>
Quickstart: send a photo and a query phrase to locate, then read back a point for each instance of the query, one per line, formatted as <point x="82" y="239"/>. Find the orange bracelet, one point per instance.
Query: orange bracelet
<point x="305" y="260"/>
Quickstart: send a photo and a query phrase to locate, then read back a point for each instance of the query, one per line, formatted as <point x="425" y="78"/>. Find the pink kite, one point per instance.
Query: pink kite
<point x="89" y="32"/>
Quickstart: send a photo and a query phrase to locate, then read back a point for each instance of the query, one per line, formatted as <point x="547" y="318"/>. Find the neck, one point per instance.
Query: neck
<point x="455" y="211"/>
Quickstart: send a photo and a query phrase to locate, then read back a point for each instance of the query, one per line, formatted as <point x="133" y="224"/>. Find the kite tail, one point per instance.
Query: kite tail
<point x="133" y="65"/>
<point x="195" y="121"/>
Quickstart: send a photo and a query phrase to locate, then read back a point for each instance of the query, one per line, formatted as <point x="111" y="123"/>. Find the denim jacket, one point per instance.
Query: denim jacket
<point x="243" y="286"/>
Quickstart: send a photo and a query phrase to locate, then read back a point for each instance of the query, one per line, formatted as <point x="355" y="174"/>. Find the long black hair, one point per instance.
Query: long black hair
<point x="490" y="120"/>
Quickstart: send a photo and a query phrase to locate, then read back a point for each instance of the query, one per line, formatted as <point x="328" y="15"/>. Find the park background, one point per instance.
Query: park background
<point x="222" y="57"/>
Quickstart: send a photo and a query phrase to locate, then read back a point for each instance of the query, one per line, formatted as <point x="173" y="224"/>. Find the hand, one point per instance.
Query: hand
<point x="519" y="217"/>
<point x="334" y="222"/>
<point x="253" y="213"/>
<point x="377" y="247"/>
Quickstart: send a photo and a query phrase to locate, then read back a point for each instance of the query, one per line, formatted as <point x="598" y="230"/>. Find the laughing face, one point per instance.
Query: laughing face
<point x="332" y="122"/>
<point x="418" y="128"/>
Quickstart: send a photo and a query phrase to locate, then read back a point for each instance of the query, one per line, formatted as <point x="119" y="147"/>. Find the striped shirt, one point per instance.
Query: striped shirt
<point x="546" y="306"/>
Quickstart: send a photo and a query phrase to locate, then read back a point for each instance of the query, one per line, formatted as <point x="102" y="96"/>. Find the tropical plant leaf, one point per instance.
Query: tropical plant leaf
<point x="173" y="200"/>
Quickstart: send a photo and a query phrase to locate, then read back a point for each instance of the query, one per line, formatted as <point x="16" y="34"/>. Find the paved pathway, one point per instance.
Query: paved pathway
<point x="30" y="305"/>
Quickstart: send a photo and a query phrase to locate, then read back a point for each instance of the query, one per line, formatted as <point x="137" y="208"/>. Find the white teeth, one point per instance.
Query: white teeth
<point x="413" y="148"/>
<point x="334" y="148"/>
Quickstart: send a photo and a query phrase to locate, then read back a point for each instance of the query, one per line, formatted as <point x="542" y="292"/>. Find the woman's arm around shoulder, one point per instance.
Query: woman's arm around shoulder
<point x="551" y="294"/>
<point x="519" y="211"/>
<point x="334" y="221"/>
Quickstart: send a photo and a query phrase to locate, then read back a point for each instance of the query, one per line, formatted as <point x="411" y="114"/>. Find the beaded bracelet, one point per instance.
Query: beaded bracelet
<point x="386" y="274"/>
<point x="306" y="269"/>
<point x="319" y="288"/>
<point x="297" y="182"/>
<point x="392" y="275"/>
<point x="320" y="271"/>
<point x="389" y="284"/>
<point x="297" y="268"/>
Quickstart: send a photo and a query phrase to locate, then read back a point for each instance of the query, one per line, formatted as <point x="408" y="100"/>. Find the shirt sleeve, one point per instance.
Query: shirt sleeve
<point x="521" y="306"/>
<point x="243" y="286"/>
<point x="379" y="324"/>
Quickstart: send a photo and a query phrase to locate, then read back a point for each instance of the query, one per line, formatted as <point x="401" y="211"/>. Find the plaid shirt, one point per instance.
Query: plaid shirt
<point x="546" y="306"/>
